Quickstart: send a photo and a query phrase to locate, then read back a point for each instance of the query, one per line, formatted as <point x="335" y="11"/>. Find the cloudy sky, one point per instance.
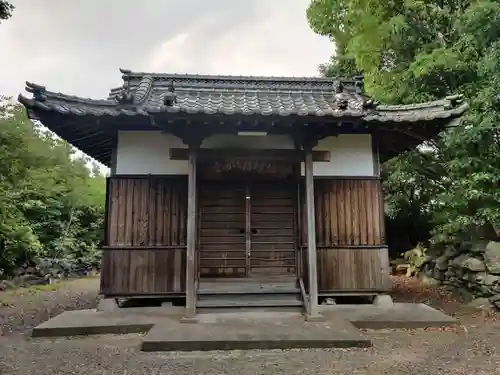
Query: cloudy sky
<point x="77" y="46"/>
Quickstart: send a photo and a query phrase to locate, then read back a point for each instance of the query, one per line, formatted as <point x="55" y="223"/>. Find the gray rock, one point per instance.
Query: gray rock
<point x="495" y="300"/>
<point x="492" y="257"/>
<point x="468" y="277"/>
<point x="479" y="246"/>
<point x="484" y="278"/>
<point x="441" y="263"/>
<point x="6" y="284"/>
<point x="329" y="301"/>
<point x="108" y="305"/>
<point x="459" y="260"/>
<point x="449" y="274"/>
<point x="438" y="274"/>
<point x="383" y="300"/>
<point x="484" y="291"/>
<point x="451" y="252"/>
<point x="473" y="264"/>
<point x="459" y="272"/>
<point x="481" y="304"/>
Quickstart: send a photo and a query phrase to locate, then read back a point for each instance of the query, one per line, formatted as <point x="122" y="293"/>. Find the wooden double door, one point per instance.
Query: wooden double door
<point x="247" y="229"/>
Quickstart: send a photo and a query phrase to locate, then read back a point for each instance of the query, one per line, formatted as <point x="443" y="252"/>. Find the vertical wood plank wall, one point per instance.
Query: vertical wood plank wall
<point x="145" y="251"/>
<point x="350" y="235"/>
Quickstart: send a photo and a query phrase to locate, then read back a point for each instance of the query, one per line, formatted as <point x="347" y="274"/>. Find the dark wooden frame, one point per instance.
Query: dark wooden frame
<point x="255" y="154"/>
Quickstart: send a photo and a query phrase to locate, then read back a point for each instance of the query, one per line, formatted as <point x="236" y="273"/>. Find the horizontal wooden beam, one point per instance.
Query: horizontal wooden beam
<point x="144" y="247"/>
<point x="346" y="247"/>
<point x="262" y="154"/>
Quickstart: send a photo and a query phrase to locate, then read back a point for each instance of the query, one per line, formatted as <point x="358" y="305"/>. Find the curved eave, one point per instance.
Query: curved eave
<point x="411" y="114"/>
<point x="400" y="128"/>
<point x="91" y="135"/>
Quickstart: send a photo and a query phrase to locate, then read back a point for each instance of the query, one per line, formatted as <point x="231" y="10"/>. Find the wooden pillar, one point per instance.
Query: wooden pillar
<point x="190" y="311"/>
<point x="311" y="236"/>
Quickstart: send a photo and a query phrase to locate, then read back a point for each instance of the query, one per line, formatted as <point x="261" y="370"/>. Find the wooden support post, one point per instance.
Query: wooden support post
<point x="190" y="312"/>
<point x="313" y="313"/>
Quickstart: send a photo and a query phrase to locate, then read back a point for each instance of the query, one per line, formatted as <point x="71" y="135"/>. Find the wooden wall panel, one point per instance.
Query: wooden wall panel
<point x="148" y="211"/>
<point x="353" y="270"/>
<point x="350" y="237"/>
<point x="348" y="212"/>
<point x="146" y="235"/>
<point x="148" y="272"/>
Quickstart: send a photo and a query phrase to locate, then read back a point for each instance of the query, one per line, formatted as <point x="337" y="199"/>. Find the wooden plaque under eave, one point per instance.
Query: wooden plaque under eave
<point x="247" y="168"/>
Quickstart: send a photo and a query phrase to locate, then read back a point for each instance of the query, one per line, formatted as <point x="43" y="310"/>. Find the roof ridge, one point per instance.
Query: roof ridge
<point x="129" y="74"/>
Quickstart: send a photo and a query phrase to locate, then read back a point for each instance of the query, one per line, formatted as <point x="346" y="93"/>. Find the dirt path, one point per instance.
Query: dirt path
<point x="473" y="347"/>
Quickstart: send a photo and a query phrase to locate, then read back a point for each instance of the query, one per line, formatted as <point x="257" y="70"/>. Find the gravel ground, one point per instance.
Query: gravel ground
<point x="473" y="347"/>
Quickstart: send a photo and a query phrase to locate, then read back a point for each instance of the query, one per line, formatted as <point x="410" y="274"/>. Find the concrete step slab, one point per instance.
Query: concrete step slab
<point x="92" y="322"/>
<point x="258" y="330"/>
<point x="397" y="316"/>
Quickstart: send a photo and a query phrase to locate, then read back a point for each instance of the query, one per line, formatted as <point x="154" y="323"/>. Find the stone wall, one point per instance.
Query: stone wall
<point x="49" y="270"/>
<point x="473" y="268"/>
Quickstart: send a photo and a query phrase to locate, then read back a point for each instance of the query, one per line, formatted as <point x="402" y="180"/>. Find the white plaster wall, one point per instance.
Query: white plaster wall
<point x="351" y="155"/>
<point x="148" y="152"/>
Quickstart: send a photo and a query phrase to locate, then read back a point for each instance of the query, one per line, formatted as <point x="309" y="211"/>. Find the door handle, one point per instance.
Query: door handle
<point x="254" y="231"/>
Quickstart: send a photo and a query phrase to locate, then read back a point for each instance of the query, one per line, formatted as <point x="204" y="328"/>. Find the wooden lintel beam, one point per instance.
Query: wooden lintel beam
<point x="266" y="154"/>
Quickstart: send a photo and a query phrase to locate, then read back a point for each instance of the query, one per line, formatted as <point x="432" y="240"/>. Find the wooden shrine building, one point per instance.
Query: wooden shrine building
<point x="220" y="180"/>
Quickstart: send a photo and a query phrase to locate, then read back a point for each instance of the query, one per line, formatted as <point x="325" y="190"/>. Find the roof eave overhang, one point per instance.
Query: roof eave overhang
<point x="92" y="125"/>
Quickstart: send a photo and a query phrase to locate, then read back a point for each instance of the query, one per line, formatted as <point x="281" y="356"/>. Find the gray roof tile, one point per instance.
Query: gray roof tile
<point x="143" y="94"/>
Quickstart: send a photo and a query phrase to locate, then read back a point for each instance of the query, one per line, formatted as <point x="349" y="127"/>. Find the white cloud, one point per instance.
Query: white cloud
<point x="168" y="54"/>
<point x="77" y="46"/>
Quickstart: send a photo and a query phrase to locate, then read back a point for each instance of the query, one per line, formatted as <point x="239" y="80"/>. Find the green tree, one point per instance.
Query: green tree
<point x="5" y="10"/>
<point x="51" y="204"/>
<point x="417" y="50"/>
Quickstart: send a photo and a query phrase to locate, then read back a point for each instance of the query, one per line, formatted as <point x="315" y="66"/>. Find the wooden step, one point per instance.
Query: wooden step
<point x="249" y="300"/>
<point x="266" y="285"/>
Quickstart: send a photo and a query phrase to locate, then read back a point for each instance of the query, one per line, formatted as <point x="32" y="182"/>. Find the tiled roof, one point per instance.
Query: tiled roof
<point x="143" y="94"/>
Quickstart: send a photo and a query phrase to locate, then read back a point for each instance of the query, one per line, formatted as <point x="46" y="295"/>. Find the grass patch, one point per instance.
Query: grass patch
<point x="35" y="289"/>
